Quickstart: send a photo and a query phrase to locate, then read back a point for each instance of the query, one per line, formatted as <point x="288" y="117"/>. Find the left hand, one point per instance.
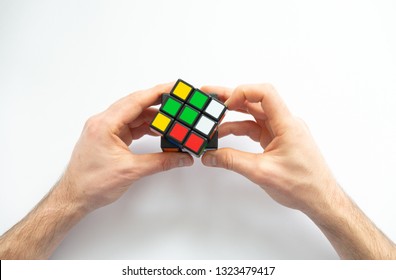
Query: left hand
<point x="102" y="166"/>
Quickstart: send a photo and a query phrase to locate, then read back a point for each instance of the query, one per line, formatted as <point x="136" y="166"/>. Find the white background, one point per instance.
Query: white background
<point x="333" y="62"/>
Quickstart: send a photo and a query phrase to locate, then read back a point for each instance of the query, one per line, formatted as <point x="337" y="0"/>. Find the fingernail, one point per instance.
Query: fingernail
<point x="210" y="160"/>
<point x="185" y="161"/>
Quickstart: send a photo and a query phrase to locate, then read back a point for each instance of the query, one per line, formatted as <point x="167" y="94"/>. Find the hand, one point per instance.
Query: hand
<point x="293" y="172"/>
<point x="102" y="166"/>
<point x="101" y="169"/>
<point x="290" y="169"/>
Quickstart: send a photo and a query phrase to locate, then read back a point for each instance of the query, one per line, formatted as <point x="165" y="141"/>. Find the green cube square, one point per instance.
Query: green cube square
<point x="171" y="107"/>
<point x="188" y="115"/>
<point x="198" y="99"/>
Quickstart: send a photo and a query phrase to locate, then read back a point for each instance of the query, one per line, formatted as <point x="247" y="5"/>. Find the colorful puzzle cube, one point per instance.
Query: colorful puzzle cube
<point x="188" y="119"/>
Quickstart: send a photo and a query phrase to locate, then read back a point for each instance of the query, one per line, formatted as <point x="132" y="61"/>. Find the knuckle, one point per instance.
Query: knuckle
<point x="301" y="125"/>
<point x="301" y="122"/>
<point x="241" y="88"/>
<point x="93" y="125"/>
<point x="166" y="164"/>
<point x="228" y="160"/>
<point x="92" y="122"/>
<point x="269" y="88"/>
<point x="160" y="88"/>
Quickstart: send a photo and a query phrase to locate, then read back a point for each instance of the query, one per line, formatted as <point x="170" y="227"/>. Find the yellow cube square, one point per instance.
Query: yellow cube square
<point x="161" y="122"/>
<point x="182" y="90"/>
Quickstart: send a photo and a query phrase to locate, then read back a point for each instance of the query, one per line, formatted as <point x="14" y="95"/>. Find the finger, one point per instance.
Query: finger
<point x="275" y="109"/>
<point x="223" y="93"/>
<point x="128" y="135"/>
<point x="243" y="163"/>
<point x="146" y="116"/>
<point x="158" y="162"/>
<point x="127" y="109"/>
<point x="256" y="110"/>
<point x="253" y="109"/>
<point x="241" y="128"/>
<point x="140" y="131"/>
<point x="138" y="128"/>
<point x="255" y="131"/>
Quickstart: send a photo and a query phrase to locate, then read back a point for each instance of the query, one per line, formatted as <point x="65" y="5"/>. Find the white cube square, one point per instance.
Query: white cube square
<point x="205" y="125"/>
<point x="215" y="108"/>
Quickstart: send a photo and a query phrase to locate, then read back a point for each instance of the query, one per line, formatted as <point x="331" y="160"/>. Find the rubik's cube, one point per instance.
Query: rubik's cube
<point x="188" y="119"/>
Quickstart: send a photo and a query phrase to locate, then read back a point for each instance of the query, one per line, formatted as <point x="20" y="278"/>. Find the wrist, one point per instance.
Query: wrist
<point x="64" y="197"/>
<point x="348" y="229"/>
<point x="43" y="229"/>
<point x="327" y="202"/>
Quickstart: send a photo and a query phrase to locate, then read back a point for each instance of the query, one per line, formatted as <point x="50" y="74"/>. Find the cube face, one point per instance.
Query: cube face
<point x="168" y="146"/>
<point x="188" y="119"/>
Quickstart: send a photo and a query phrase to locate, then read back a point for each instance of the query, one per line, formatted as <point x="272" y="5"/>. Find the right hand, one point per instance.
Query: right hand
<point x="291" y="168"/>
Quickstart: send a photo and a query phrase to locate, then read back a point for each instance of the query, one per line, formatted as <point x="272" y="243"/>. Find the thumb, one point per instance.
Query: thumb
<point x="158" y="162"/>
<point x="241" y="162"/>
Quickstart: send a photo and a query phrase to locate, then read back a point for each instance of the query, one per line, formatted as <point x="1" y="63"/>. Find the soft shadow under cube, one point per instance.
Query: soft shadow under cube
<point x="188" y="120"/>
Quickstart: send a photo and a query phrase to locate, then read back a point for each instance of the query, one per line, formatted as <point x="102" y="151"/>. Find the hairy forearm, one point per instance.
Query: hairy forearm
<point x="38" y="234"/>
<point x="350" y="231"/>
